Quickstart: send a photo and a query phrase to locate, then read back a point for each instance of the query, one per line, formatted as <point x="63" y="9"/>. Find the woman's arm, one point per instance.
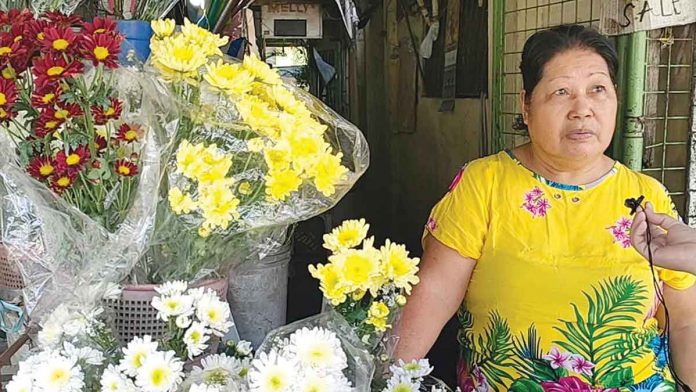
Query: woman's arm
<point x="444" y="277"/>
<point x="682" y="332"/>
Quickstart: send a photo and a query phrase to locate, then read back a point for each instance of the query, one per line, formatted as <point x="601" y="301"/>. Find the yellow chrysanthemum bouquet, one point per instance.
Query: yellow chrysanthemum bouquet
<point x="365" y="284"/>
<point x="253" y="154"/>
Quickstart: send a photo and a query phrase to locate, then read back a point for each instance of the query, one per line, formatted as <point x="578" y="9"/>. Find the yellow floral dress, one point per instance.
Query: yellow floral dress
<point x="558" y="300"/>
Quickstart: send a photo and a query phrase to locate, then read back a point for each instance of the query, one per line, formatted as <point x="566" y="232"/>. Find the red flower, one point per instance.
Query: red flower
<point x="102" y="48"/>
<point x="99" y="26"/>
<point x="113" y="111"/>
<point x="62" y="181"/>
<point x="125" y="168"/>
<point x="49" y="70"/>
<point x="101" y="143"/>
<point x="46" y="96"/>
<point x="129" y="133"/>
<point x="41" y="167"/>
<point x="9" y="48"/>
<point x="34" y="30"/>
<point x="61" y="20"/>
<point x="47" y="124"/>
<point x="16" y="16"/>
<point x="71" y="109"/>
<point x="8" y="93"/>
<point x="59" y="40"/>
<point x="73" y="161"/>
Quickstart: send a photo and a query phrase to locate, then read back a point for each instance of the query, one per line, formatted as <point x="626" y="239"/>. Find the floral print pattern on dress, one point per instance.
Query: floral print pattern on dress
<point x="621" y="231"/>
<point x="535" y="203"/>
<point x="432" y="224"/>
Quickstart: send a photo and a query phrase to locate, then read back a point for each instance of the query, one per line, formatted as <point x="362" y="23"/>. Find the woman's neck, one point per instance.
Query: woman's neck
<point x="565" y="171"/>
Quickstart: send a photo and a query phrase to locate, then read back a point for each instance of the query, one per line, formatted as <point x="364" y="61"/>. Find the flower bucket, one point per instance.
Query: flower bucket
<point x="133" y="314"/>
<point x="258" y="293"/>
<point x="137" y="34"/>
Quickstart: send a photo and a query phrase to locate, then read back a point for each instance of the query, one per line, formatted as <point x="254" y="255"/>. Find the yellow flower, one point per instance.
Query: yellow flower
<point x="258" y="116"/>
<point x="377" y="316"/>
<point x="176" y="59"/>
<point x="206" y="42"/>
<point x="281" y="183"/>
<point x="328" y="172"/>
<point x="261" y="70"/>
<point x="348" y="235"/>
<point x="230" y="78"/>
<point x="188" y="159"/>
<point x="180" y="202"/>
<point x="287" y="101"/>
<point x="215" y="164"/>
<point x="203" y="231"/>
<point x="358" y="269"/>
<point x="305" y="149"/>
<point x="244" y="188"/>
<point x="401" y="300"/>
<point x="277" y="158"/>
<point x="218" y="203"/>
<point x="329" y="283"/>
<point x="398" y="267"/>
<point x="163" y="27"/>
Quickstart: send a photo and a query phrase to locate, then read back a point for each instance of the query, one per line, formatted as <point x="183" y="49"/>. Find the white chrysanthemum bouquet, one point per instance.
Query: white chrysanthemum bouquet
<point x="364" y="284"/>
<point x="77" y="352"/>
<point x="413" y="376"/>
<point x="254" y="152"/>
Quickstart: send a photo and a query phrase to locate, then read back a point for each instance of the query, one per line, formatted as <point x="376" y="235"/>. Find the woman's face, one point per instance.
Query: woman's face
<point x="572" y="111"/>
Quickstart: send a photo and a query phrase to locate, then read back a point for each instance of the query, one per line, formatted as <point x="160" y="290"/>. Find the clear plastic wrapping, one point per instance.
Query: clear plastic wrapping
<point x="63" y="255"/>
<point x="254" y="155"/>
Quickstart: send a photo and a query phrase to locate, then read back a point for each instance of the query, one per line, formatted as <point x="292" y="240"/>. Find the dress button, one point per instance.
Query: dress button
<point x="575" y="199"/>
<point x="557" y="196"/>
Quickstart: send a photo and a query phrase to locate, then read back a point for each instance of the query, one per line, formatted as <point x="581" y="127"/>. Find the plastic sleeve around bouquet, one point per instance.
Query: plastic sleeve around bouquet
<point x="219" y="131"/>
<point x="361" y="366"/>
<point x="65" y="6"/>
<point x="64" y="256"/>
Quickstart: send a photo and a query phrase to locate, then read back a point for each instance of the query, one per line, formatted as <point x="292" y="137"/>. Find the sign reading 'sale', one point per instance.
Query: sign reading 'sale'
<point x="627" y="16"/>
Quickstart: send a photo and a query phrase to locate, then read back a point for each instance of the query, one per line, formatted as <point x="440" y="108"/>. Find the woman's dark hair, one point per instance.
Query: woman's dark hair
<point x="543" y="45"/>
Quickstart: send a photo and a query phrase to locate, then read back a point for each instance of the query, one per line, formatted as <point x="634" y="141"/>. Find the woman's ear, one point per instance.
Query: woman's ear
<point x="524" y="105"/>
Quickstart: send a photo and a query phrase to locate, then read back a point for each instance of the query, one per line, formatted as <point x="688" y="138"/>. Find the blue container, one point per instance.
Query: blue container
<point x="137" y="35"/>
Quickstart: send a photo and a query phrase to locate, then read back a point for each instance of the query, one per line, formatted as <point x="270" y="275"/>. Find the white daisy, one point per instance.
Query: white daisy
<point x="52" y="331"/>
<point x="112" y="380"/>
<point x="243" y="348"/>
<point x="135" y="354"/>
<point x="215" y="313"/>
<point x="28" y="366"/>
<point x="312" y="381"/>
<point x="87" y="354"/>
<point x="176" y="287"/>
<point x="217" y="369"/>
<point x="59" y="374"/>
<point x="173" y="306"/>
<point x="272" y="373"/>
<point x="414" y="369"/>
<point x="183" y="322"/>
<point x="402" y="384"/>
<point x="161" y="372"/>
<point x="318" y="348"/>
<point x="196" y="338"/>
<point x="19" y="384"/>
<point x="203" y="388"/>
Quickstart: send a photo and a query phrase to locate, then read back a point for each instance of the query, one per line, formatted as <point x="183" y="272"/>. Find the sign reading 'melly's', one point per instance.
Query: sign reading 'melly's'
<point x="627" y="16"/>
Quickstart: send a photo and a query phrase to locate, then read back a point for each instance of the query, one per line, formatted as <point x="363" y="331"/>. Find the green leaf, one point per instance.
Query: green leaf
<point x="525" y="386"/>
<point x="620" y="378"/>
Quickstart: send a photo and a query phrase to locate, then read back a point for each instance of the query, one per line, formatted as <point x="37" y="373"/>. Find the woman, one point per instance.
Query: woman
<point x="532" y="247"/>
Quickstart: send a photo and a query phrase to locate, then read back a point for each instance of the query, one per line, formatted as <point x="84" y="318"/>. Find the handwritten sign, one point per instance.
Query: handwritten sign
<point x="622" y="16"/>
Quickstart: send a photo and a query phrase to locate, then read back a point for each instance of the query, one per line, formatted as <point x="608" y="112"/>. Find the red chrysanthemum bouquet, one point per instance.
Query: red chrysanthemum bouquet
<point x="80" y="146"/>
<point x="65" y="116"/>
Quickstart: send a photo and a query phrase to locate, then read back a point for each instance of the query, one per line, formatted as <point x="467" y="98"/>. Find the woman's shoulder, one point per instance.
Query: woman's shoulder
<point x="648" y="185"/>
<point x="487" y="165"/>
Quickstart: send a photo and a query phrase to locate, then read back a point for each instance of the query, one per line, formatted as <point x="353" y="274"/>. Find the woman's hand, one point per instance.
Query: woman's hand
<point x="673" y="243"/>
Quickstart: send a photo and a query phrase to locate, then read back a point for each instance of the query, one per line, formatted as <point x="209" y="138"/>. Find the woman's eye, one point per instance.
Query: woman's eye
<point x="599" y="89"/>
<point x="561" y="92"/>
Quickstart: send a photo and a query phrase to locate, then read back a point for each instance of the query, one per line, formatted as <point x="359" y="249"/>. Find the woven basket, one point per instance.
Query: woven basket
<point x="135" y="316"/>
<point x="10" y="277"/>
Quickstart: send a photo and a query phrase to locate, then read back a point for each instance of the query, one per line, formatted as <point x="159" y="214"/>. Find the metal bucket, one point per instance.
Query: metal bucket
<point x="258" y="292"/>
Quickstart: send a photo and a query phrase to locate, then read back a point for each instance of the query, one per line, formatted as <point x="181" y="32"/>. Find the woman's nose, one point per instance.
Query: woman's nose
<point x="581" y="107"/>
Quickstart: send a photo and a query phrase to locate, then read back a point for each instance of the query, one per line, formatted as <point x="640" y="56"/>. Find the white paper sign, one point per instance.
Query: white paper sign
<point x="628" y="16"/>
